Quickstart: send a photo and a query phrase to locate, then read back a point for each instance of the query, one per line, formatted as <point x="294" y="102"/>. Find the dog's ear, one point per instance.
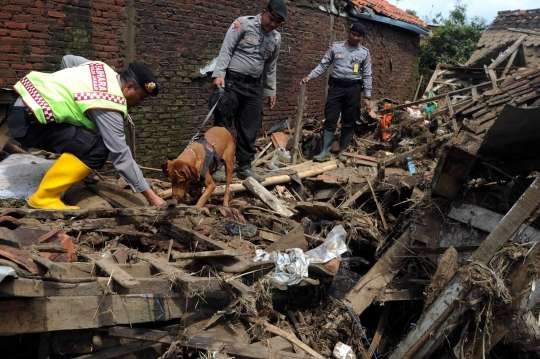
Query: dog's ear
<point x="165" y="168"/>
<point x="189" y="171"/>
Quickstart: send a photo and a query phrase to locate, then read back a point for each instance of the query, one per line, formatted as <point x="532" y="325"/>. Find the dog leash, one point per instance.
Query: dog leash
<point x="210" y="113"/>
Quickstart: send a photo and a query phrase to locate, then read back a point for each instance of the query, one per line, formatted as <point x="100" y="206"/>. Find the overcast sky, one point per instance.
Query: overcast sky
<point x="486" y="9"/>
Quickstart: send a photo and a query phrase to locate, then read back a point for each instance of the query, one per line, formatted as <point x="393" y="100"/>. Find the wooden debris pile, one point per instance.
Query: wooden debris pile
<point x="440" y="226"/>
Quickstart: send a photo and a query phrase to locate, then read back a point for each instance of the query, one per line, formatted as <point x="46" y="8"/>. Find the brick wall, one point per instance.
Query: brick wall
<point x="179" y="37"/>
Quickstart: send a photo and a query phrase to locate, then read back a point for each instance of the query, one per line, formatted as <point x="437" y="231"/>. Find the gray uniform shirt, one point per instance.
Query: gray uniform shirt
<point x="350" y="63"/>
<point x="110" y="125"/>
<point x="249" y="50"/>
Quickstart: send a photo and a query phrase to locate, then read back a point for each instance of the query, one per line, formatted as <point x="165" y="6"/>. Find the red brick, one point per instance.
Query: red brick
<point x="15" y="25"/>
<point x="20" y="34"/>
<point x="37" y="26"/>
<point x="56" y="14"/>
<point x="23" y="18"/>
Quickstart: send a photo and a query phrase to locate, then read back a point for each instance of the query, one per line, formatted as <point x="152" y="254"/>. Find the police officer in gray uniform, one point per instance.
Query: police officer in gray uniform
<point x="351" y="75"/>
<point x="246" y="67"/>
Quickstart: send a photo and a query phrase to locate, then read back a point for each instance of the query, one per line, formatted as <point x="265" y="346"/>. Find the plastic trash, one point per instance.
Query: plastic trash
<point x="20" y="175"/>
<point x="292" y="265"/>
<point x="333" y="246"/>
<point x="411" y="167"/>
<point x="343" y="351"/>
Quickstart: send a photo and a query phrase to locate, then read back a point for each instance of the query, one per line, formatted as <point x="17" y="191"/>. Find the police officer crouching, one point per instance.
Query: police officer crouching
<point x="350" y="76"/>
<point x="246" y="67"/>
<point x="78" y="112"/>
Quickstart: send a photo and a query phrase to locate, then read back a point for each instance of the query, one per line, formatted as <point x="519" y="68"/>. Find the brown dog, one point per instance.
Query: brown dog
<point x="198" y="161"/>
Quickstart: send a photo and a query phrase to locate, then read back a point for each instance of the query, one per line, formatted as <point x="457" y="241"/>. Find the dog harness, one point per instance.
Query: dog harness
<point x="212" y="161"/>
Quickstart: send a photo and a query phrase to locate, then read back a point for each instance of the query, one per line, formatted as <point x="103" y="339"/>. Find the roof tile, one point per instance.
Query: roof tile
<point x="384" y="8"/>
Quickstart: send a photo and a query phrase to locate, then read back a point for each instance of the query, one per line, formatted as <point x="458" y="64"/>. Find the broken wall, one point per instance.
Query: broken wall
<point x="179" y="37"/>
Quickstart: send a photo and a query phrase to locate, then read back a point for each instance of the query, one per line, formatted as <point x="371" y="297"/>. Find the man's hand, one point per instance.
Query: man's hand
<point x="367" y="104"/>
<point x="305" y="80"/>
<point x="272" y="101"/>
<point x="153" y="199"/>
<point x="219" y="82"/>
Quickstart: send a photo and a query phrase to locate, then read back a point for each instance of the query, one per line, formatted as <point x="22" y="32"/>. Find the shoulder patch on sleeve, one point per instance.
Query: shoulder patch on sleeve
<point x="236" y="25"/>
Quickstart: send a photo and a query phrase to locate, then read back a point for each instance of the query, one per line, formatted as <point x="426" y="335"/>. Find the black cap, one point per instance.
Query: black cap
<point x="279" y="7"/>
<point x="357" y="28"/>
<point x="144" y="77"/>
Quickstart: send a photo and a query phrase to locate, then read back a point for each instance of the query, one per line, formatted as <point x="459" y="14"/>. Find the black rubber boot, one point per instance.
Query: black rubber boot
<point x="244" y="172"/>
<point x="345" y="138"/>
<point x="328" y="137"/>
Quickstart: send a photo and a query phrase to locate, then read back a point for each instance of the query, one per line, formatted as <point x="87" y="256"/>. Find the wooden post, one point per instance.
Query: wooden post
<point x="299" y="119"/>
<point x="418" y="87"/>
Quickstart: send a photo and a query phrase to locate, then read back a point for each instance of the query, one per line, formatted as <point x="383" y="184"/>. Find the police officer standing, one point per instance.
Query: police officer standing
<point x="79" y="113"/>
<point x="246" y="67"/>
<point x="350" y="75"/>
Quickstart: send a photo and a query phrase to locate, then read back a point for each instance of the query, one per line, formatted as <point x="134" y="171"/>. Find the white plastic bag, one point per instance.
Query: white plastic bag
<point x="333" y="247"/>
<point x="343" y="351"/>
<point x="20" y="174"/>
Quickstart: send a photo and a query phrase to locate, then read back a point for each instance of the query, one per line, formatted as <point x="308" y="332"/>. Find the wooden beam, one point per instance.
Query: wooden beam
<point x="118" y="351"/>
<point x="292" y="338"/>
<point x="354" y="197"/>
<point x="313" y="170"/>
<point x="202" y="342"/>
<point x="296" y="150"/>
<point x="107" y="264"/>
<point x="23" y="287"/>
<point x="378" y="333"/>
<point x="506" y="53"/>
<point x="372" y="284"/>
<point x="486" y="220"/>
<point x="205" y="254"/>
<point x="437" y="97"/>
<point x="34" y="315"/>
<point x="510" y="62"/>
<point x="379" y="207"/>
<point x="271" y="201"/>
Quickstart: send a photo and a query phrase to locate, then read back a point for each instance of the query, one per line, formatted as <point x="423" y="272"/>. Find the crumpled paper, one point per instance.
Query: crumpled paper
<point x="292" y="265"/>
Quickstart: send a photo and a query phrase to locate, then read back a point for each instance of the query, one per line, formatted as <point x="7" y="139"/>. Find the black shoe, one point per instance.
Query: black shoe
<point x="245" y="172"/>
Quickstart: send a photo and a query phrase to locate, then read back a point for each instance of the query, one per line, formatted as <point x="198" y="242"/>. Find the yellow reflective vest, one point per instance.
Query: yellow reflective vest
<point x="64" y="96"/>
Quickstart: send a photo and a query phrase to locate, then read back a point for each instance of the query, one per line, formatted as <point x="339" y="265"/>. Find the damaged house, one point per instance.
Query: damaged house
<point x="419" y="241"/>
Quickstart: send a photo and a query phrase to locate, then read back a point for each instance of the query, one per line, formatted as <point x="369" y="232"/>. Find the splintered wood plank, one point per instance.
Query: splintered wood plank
<point x="267" y="197"/>
<point x="108" y="265"/>
<point x="34" y="315"/>
<point x="22" y="287"/>
<point x="119" y="351"/>
<point x="296" y="150"/>
<point x="204" y="343"/>
<point x="174" y="274"/>
<point x="486" y="220"/>
<point x="372" y="284"/>
<point x="193" y="238"/>
<point x="205" y="254"/>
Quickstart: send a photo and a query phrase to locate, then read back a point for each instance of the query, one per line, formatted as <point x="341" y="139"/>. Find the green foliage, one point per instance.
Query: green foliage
<point x="453" y="41"/>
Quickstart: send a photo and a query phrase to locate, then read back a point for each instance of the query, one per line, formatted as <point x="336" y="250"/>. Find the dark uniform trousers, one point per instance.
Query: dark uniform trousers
<point x="241" y="109"/>
<point x="343" y="98"/>
<point x="84" y="144"/>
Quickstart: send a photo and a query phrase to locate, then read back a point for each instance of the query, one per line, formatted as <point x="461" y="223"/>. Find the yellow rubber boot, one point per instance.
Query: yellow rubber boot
<point x="65" y="172"/>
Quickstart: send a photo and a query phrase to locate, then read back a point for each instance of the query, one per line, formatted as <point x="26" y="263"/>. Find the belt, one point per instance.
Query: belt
<point x="243" y="78"/>
<point x="344" y="82"/>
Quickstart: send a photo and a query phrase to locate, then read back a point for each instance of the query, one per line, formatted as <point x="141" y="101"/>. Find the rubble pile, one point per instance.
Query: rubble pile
<point x="418" y="241"/>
